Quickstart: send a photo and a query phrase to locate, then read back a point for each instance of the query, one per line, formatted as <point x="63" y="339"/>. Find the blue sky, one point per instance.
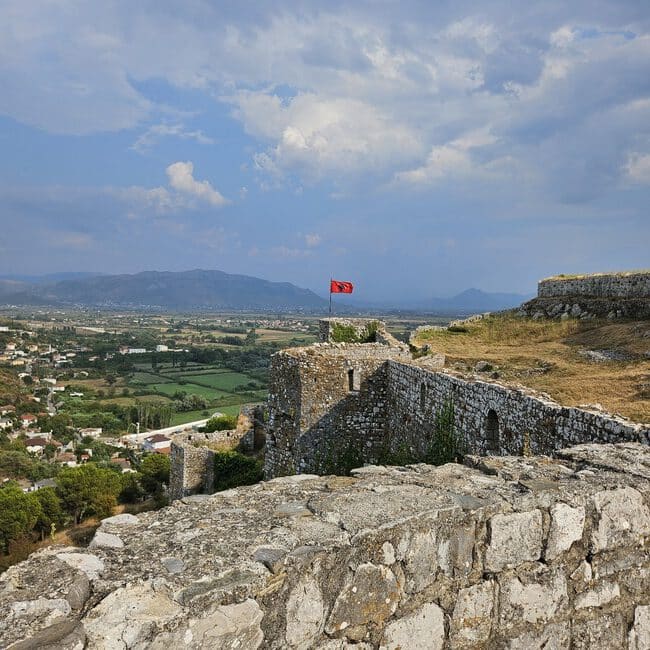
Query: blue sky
<point x="415" y="148"/>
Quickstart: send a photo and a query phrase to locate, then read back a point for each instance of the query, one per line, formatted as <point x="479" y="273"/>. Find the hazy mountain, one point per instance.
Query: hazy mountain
<point x="475" y="300"/>
<point x="49" y="278"/>
<point x="470" y="301"/>
<point x="205" y="290"/>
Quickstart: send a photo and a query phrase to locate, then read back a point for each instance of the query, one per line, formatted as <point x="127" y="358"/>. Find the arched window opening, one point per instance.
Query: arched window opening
<point x="492" y="431"/>
<point x="423" y="396"/>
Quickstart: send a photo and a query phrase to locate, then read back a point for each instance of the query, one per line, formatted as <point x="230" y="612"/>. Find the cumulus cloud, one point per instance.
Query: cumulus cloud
<point x="312" y="240"/>
<point x="181" y="178"/>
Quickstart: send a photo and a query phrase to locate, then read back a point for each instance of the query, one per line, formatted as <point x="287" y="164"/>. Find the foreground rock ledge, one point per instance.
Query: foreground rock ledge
<point x="503" y="552"/>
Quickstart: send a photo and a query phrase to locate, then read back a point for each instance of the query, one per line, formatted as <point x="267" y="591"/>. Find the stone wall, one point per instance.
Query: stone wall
<point x="504" y="552"/>
<point x="614" y="295"/>
<point x="192" y="453"/>
<point x="600" y="285"/>
<point x="320" y="423"/>
<point x="323" y="400"/>
<point x="491" y="418"/>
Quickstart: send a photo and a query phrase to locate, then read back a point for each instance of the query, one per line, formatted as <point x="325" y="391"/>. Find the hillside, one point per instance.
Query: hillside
<point x="190" y="290"/>
<point x="574" y="361"/>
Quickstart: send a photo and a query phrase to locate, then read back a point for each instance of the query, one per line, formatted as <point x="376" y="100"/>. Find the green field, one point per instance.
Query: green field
<point x="190" y="389"/>
<point x="192" y="416"/>
<point x="222" y="380"/>
<point x="147" y="378"/>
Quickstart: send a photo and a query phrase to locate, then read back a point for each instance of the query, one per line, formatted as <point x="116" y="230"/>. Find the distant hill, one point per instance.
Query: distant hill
<point x="475" y="300"/>
<point x="470" y="301"/>
<point x="191" y="290"/>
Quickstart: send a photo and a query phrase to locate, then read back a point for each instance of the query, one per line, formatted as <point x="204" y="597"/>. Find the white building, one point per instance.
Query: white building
<point x="162" y="348"/>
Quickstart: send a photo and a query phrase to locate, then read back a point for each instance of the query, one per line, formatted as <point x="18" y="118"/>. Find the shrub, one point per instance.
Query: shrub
<point x="221" y="423"/>
<point x="232" y="469"/>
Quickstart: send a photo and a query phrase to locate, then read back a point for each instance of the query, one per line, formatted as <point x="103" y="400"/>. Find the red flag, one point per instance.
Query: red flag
<point x="336" y="286"/>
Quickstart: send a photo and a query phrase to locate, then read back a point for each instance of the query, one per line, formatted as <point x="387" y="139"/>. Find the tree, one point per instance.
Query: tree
<point x="154" y="473"/>
<point x="51" y="516"/>
<point x="19" y="513"/>
<point x="84" y="490"/>
<point x="232" y="469"/>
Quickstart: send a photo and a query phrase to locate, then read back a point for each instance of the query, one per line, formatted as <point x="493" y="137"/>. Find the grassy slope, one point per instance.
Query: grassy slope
<point x="544" y="355"/>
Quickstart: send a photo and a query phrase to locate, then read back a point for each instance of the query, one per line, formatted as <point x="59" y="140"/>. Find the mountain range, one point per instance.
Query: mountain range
<point x="210" y="291"/>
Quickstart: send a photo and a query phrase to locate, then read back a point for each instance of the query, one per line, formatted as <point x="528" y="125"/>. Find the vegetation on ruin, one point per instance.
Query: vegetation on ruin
<point x="582" y="276"/>
<point x="557" y="357"/>
<point x="341" y="333"/>
<point x="232" y="469"/>
<point x="221" y="423"/>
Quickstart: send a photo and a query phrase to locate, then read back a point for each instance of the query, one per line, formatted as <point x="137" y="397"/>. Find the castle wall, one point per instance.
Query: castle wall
<point x="525" y="421"/>
<point x="503" y="552"/>
<point x="318" y="425"/>
<point x="192" y="470"/>
<point x="327" y="408"/>
<point x="606" y="285"/>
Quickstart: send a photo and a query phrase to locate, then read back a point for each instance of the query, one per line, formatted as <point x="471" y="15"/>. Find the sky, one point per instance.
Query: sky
<point x="414" y="148"/>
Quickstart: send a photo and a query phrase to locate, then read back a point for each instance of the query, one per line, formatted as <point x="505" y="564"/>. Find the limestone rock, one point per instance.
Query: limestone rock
<point x="515" y="538"/>
<point x="305" y="614"/>
<point x="623" y="519"/>
<point x="555" y="636"/>
<point x="370" y="596"/>
<point x="105" y="540"/>
<point x="130" y="616"/>
<point x="567" y="524"/>
<point x="424" y="628"/>
<point x="639" y="637"/>
<point x="471" y="622"/>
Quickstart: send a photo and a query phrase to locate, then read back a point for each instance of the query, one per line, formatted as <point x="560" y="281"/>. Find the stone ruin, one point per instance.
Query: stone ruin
<point x="333" y="406"/>
<point x="611" y="295"/>
<point x="192" y="453"/>
<point x="500" y="552"/>
<point x="510" y="549"/>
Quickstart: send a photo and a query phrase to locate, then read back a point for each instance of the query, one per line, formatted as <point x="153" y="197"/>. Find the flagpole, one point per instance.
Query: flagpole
<point x="330" y="296"/>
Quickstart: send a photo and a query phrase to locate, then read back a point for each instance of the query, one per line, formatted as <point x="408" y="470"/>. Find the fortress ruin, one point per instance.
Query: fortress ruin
<point x="537" y="540"/>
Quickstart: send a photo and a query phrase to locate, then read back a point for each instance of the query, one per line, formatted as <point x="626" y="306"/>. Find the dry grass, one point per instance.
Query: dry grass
<point x="545" y="355"/>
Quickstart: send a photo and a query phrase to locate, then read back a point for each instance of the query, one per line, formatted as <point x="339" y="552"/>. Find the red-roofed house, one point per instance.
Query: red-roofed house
<point x="27" y="419"/>
<point x="158" y="443"/>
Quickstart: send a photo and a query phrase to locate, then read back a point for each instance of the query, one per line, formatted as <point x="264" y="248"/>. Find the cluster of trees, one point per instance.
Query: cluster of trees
<point x="184" y="402"/>
<point x="80" y="492"/>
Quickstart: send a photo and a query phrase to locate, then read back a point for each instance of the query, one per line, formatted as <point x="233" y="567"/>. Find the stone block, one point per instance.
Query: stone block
<point x="623" y="519"/>
<point x="606" y="632"/>
<point x="305" y="614"/>
<point x="471" y="621"/>
<point x="514" y="538"/>
<point x="602" y="594"/>
<point x="567" y="524"/>
<point x="424" y="628"/>
<point x="639" y="637"/>
<point x="371" y="596"/>
<point x="554" y="636"/>
<point x="421" y="561"/>
<point x="534" y="597"/>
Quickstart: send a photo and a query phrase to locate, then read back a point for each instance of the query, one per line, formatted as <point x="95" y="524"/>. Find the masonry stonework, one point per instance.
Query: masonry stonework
<point x="336" y="406"/>
<point x="615" y="295"/>
<point x="501" y="552"/>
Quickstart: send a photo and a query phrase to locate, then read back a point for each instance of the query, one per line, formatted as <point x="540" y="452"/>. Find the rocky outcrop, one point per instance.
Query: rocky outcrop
<point x="502" y="552"/>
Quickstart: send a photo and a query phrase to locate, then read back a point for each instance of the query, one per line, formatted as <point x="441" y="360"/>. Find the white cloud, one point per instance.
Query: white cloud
<point x="638" y="168"/>
<point x="157" y="132"/>
<point x="448" y="160"/>
<point x="181" y="178"/>
<point x="315" y="135"/>
<point x="312" y="240"/>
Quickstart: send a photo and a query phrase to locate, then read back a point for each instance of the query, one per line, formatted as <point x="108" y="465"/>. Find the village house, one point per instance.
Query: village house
<point x="157" y="443"/>
<point x="27" y="419"/>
